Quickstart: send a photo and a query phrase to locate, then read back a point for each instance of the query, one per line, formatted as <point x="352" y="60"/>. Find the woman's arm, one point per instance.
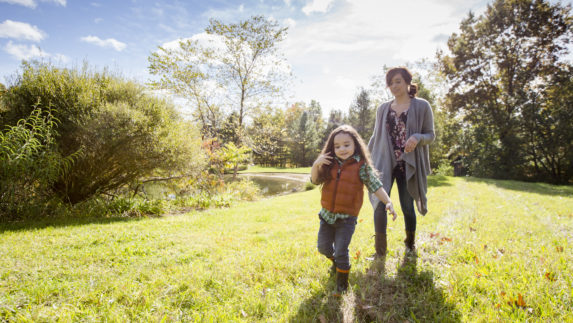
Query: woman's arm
<point x="426" y="135"/>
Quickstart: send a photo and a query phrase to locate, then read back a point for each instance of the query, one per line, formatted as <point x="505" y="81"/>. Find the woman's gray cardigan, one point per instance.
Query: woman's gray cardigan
<point x="420" y="124"/>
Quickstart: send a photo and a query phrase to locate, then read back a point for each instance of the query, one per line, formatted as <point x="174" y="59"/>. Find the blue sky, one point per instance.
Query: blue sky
<point x="333" y="46"/>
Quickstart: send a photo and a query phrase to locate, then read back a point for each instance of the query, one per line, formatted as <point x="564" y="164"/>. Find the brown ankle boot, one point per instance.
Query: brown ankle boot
<point x="341" y="282"/>
<point x="409" y="241"/>
<point x="380" y="244"/>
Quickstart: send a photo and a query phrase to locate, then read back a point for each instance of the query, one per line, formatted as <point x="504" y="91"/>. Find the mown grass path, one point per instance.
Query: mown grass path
<point x="487" y="251"/>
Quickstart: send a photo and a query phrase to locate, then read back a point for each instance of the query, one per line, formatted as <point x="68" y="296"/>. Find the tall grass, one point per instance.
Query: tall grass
<point x="487" y="251"/>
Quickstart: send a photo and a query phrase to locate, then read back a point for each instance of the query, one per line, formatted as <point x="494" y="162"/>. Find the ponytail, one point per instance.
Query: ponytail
<point x="413" y="90"/>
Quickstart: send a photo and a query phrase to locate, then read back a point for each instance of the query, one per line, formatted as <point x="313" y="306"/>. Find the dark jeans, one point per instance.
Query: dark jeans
<point x="406" y="203"/>
<point x="333" y="240"/>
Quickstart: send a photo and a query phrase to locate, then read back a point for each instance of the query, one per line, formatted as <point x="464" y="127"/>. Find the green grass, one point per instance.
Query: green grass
<point x="482" y="245"/>
<point x="260" y="169"/>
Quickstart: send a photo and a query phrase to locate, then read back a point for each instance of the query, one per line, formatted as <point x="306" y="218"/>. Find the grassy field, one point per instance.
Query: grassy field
<point x="488" y="251"/>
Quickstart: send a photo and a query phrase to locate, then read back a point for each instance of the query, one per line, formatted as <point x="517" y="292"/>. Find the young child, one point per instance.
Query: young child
<point x="343" y="168"/>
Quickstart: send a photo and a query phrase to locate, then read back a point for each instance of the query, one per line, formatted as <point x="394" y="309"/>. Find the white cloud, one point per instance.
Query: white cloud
<point x="317" y="6"/>
<point x="110" y="42"/>
<point x="33" y="3"/>
<point x="26" y="52"/>
<point x="287" y="2"/>
<point x="20" y="30"/>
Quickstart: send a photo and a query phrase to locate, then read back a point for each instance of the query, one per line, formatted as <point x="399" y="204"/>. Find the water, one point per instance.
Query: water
<point x="270" y="184"/>
<point x="277" y="183"/>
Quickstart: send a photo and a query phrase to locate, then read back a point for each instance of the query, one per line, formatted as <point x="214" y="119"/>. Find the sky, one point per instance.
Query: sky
<point x="334" y="47"/>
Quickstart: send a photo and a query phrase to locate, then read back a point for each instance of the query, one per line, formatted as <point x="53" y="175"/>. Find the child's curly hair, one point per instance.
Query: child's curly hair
<point x="360" y="148"/>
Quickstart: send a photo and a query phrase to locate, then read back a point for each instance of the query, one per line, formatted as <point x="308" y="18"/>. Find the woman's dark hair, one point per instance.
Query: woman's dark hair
<point x="360" y="148"/>
<point x="406" y="75"/>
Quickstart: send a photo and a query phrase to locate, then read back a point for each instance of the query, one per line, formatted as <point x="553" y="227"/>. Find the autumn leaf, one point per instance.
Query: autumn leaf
<point x="502" y="293"/>
<point x="446" y="239"/>
<point x="433" y="235"/>
<point x="472" y="229"/>
<point x="559" y="248"/>
<point x="357" y="255"/>
<point x="476" y="259"/>
<point x="520" y="302"/>
<point x="550" y="276"/>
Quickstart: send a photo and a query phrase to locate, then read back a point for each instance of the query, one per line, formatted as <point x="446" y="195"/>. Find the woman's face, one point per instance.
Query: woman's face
<point x="343" y="146"/>
<point x="398" y="85"/>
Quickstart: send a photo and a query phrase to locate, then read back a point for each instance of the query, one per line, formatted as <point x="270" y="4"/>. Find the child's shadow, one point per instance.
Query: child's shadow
<point x="410" y="295"/>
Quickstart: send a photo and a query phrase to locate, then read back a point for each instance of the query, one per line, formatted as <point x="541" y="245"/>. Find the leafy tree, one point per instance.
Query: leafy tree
<point x="123" y="134"/>
<point x="362" y="114"/>
<point x="236" y="68"/>
<point x="499" y="64"/>
<point x="233" y="156"/>
<point x="304" y="133"/>
<point x="268" y="137"/>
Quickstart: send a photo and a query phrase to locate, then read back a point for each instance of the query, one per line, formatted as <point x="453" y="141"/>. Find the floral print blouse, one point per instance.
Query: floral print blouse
<point x="396" y="126"/>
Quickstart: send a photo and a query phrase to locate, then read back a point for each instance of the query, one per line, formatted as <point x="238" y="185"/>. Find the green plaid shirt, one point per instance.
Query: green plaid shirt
<point x="368" y="178"/>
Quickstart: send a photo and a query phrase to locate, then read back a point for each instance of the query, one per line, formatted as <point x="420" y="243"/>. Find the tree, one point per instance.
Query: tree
<point x="304" y="133"/>
<point x="361" y="115"/>
<point x="235" y="66"/>
<point x="268" y="137"/>
<point x="498" y="66"/>
<point x="233" y="156"/>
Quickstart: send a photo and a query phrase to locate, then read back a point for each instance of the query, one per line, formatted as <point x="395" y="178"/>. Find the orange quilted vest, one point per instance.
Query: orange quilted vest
<point x="344" y="192"/>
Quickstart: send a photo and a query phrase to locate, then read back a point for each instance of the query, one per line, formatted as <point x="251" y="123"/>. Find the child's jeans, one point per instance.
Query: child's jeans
<point x="333" y="240"/>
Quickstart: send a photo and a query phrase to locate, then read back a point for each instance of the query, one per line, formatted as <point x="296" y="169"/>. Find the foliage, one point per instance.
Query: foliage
<point x="233" y="156"/>
<point x="30" y="164"/>
<point x="304" y="127"/>
<point x="482" y="245"/>
<point x="234" y="68"/>
<point x="124" y="134"/>
<point x="503" y="67"/>
<point x="267" y="137"/>
<point x="362" y="114"/>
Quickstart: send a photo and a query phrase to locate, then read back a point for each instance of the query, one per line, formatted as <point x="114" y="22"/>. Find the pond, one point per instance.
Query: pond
<point x="276" y="183"/>
<point x="270" y="184"/>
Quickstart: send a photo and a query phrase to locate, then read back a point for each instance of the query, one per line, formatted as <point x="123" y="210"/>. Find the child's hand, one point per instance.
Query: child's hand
<point x="323" y="159"/>
<point x="390" y="208"/>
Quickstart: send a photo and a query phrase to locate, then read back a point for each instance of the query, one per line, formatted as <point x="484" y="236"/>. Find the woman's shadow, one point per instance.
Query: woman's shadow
<point x="411" y="295"/>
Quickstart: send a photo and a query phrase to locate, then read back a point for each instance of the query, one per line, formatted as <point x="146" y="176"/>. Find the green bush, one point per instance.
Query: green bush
<point x="30" y="164"/>
<point x="124" y="134"/>
<point x="444" y="169"/>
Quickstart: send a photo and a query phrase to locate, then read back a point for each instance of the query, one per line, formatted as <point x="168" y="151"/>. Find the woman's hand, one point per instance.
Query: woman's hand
<point x="411" y="144"/>
<point x="390" y="208"/>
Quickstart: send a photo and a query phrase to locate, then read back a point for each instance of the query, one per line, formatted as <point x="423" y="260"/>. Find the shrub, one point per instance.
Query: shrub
<point x="29" y="165"/>
<point x="125" y="135"/>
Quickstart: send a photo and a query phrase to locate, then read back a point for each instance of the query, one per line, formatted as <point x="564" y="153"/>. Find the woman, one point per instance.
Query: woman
<point x="403" y="130"/>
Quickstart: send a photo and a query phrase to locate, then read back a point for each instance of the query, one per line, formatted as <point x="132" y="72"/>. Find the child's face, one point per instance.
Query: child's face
<point x="343" y="146"/>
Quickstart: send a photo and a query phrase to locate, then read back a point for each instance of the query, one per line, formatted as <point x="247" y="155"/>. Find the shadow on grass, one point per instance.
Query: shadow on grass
<point x="438" y="180"/>
<point x="528" y="187"/>
<point x="42" y="223"/>
<point x="322" y="306"/>
<point x="410" y="296"/>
